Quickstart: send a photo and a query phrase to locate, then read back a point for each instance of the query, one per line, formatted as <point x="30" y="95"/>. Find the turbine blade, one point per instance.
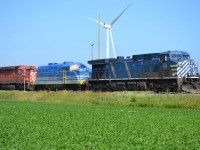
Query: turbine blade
<point x="113" y="46"/>
<point x="94" y="20"/>
<point x="91" y="19"/>
<point x="120" y="14"/>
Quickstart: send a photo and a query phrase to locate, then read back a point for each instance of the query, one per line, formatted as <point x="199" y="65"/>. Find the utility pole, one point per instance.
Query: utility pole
<point x="24" y="75"/>
<point x="92" y="50"/>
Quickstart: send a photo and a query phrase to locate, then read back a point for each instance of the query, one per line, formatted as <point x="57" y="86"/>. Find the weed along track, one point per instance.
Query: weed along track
<point x="135" y="99"/>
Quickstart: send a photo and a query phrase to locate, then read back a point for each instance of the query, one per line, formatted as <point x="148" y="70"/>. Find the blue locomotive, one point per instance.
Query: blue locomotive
<point x="66" y="75"/>
<point x="170" y="71"/>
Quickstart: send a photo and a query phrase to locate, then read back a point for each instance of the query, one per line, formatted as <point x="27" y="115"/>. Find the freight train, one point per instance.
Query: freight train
<point x="171" y="71"/>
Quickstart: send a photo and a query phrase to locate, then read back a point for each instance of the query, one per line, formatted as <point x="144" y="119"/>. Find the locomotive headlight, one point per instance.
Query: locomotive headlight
<point x="174" y="74"/>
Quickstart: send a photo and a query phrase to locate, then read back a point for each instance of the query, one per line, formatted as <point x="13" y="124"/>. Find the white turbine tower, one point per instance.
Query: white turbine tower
<point x="108" y="28"/>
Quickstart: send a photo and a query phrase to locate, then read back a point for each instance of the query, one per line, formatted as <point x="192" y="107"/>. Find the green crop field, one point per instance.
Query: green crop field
<point x="49" y="125"/>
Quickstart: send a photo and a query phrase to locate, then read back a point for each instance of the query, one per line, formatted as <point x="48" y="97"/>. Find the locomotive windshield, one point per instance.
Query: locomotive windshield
<point x="179" y="57"/>
<point x="82" y="66"/>
<point x="186" y="57"/>
<point x="29" y="70"/>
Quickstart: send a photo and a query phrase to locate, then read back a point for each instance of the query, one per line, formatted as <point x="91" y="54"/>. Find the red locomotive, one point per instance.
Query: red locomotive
<point x="17" y="77"/>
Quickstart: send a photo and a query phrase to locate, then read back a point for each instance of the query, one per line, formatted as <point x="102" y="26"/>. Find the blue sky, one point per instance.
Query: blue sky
<point x="36" y="32"/>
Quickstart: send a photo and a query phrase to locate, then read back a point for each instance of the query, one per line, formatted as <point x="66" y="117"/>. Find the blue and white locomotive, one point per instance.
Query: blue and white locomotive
<point x="66" y="75"/>
<point x="170" y="71"/>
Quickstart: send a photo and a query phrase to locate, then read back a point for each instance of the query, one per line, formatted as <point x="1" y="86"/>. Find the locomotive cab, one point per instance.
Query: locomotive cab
<point x="27" y="72"/>
<point x="174" y="56"/>
<point x="179" y="56"/>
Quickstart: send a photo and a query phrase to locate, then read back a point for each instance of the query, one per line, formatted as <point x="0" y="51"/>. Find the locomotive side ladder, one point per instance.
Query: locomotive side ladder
<point x="64" y="76"/>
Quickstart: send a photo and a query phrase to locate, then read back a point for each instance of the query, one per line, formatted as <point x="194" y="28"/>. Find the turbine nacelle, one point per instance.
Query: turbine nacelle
<point x="106" y="26"/>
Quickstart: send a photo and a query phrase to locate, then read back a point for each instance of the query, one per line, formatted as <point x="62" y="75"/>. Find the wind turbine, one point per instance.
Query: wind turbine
<point x="108" y="28"/>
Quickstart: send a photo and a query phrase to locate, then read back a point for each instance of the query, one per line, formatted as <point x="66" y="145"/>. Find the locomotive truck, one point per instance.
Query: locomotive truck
<point x="171" y="71"/>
